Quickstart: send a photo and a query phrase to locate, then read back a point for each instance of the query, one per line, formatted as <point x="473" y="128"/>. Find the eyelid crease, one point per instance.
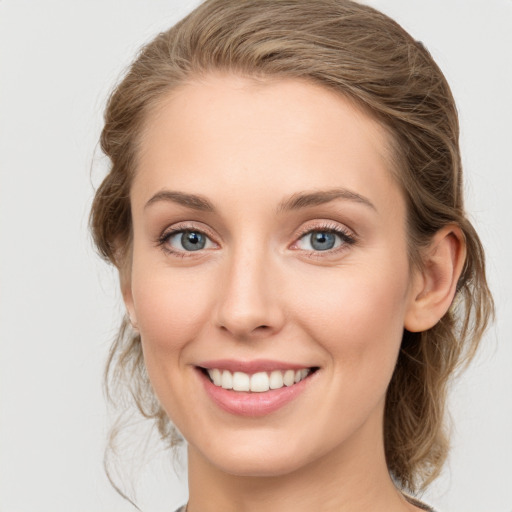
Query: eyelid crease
<point x="185" y="226"/>
<point x="328" y="226"/>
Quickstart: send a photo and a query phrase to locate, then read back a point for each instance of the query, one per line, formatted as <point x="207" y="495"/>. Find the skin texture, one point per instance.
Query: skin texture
<point x="258" y="291"/>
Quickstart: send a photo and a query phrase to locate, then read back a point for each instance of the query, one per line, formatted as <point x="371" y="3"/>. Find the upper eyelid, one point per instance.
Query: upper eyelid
<point x="188" y="226"/>
<point x="325" y="225"/>
<point x="347" y="235"/>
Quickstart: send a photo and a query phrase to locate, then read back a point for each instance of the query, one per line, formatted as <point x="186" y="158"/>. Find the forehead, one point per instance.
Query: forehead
<point x="232" y="135"/>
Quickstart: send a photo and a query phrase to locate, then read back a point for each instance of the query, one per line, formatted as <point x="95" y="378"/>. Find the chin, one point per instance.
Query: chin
<point x="258" y="466"/>
<point x="248" y="459"/>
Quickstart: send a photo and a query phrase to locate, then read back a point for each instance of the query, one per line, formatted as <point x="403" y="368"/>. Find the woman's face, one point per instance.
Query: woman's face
<point x="269" y="246"/>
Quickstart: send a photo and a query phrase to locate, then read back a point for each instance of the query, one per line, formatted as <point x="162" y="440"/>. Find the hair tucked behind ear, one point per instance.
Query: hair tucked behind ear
<point x="362" y="54"/>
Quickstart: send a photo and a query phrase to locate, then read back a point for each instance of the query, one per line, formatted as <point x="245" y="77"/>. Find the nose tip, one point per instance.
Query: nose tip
<point x="248" y="315"/>
<point x="248" y="305"/>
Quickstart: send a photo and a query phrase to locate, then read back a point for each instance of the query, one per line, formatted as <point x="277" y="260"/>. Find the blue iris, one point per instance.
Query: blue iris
<point x="322" y="240"/>
<point x="193" y="241"/>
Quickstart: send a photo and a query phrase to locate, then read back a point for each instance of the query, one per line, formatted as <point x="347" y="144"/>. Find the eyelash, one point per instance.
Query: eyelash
<point x="347" y="238"/>
<point x="181" y="228"/>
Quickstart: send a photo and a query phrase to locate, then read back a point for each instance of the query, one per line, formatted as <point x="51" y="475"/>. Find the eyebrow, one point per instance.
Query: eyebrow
<point x="192" y="201"/>
<point x="316" y="198"/>
<point x="295" y="202"/>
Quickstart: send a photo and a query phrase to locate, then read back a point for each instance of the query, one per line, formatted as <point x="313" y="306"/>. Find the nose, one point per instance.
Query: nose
<point x="249" y="300"/>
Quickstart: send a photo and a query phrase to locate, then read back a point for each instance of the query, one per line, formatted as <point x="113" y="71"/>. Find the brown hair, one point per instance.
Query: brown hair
<point x="364" y="55"/>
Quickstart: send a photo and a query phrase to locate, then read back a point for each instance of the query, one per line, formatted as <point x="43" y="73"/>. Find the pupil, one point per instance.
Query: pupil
<point x="322" y="241"/>
<point x="193" y="241"/>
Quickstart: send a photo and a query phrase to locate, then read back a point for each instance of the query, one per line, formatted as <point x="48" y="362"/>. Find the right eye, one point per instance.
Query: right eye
<point x="187" y="241"/>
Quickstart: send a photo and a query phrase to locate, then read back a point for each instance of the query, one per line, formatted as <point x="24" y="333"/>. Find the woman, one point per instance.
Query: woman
<point x="285" y="210"/>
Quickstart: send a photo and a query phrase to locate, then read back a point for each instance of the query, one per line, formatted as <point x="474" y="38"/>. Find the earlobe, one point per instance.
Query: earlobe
<point x="436" y="282"/>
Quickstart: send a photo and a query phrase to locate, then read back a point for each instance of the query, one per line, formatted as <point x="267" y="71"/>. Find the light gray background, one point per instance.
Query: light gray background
<point x="60" y="305"/>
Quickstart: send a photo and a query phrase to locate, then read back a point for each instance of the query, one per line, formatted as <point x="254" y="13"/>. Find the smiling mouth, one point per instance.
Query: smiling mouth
<point x="258" y="382"/>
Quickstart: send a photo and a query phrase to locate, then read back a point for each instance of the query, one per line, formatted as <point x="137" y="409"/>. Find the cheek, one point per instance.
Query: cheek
<point x="357" y="315"/>
<point x="170" y="307"/>
<point x="170" y="310"/>
<point x="357" y="319"/>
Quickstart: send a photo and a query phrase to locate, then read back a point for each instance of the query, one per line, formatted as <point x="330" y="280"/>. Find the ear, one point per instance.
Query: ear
<point x="435" y="284"/>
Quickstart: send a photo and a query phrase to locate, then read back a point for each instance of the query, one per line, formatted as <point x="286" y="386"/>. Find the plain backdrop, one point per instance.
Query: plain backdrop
<point x="59" y="304"/>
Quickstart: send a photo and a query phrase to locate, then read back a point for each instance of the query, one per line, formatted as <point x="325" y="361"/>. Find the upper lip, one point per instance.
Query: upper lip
<point x="250" y="367"/>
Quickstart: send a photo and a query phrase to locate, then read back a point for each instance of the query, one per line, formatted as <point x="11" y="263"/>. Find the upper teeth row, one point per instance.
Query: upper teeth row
<point x="257" y="382"/>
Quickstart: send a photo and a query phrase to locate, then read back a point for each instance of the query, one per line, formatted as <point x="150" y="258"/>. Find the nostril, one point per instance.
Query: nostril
<point x="248" y="333"/>
<point x="262" y="330"/>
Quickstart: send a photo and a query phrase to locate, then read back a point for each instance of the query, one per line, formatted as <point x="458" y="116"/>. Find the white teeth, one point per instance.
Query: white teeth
<point x="257" y="382"/>
<point x="216" y="376"/>
<point x="241" y="381"/>
<point x="227" y="380"/>
<point x="276" y="380"/>
<point x="289" y="378"/>
<point x="260" y="382"/>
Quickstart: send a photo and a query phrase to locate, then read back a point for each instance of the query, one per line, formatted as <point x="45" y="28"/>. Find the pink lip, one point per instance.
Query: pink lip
<point x="250" y="367"/>
<point x="253" y="404"/>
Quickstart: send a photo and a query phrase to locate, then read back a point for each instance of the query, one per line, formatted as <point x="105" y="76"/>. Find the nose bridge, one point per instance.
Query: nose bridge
<point x="247" y="299"/>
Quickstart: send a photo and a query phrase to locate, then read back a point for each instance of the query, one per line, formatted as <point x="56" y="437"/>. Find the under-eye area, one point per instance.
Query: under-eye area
<point x="259" y="382"/>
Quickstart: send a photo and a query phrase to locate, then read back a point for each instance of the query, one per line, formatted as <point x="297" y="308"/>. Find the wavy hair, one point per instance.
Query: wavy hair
<point x="361" y="54"/>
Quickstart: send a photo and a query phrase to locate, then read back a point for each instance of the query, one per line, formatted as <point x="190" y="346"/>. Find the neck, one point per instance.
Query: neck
<point x="352" y="477"/>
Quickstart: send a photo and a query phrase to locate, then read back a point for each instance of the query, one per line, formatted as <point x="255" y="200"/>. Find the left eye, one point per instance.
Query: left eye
<point x="189" y="241"/>
<point x="320" y="241"/>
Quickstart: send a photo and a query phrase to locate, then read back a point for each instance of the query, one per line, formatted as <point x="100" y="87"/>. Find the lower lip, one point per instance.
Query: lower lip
<point x="253" y="404"/>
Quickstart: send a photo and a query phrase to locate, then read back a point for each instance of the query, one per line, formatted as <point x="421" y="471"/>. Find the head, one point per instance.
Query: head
<point x="390" y="82"/>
